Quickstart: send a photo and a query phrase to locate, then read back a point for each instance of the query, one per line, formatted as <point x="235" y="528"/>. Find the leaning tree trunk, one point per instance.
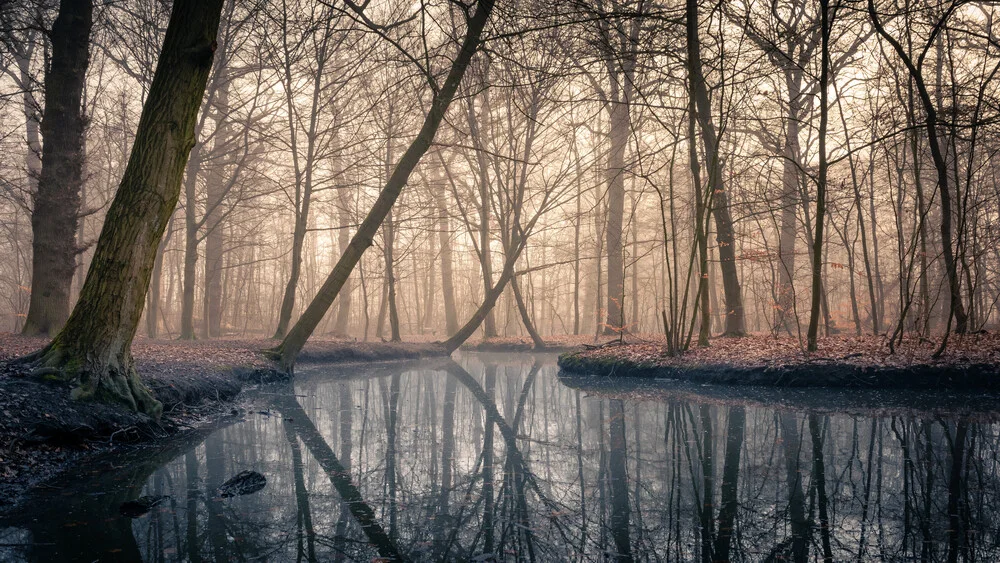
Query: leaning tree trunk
<point x="489" y="301"/>
<point x="289" y="349"/>
<point x="57" y="199"/>
<point x="93" y="350"/>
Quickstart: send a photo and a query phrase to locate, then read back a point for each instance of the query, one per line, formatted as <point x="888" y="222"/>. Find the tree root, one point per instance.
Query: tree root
<point x="115" y="382"/>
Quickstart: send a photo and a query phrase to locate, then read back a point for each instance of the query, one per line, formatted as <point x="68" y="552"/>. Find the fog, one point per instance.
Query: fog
<point x="570" y="148"/>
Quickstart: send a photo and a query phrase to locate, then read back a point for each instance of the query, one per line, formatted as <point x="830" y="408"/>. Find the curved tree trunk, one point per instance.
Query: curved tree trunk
<point x="57" y="200"/>
<point x="93" y="350"/>
<point x="489" y="301"/>
<point x="522" y="309"/>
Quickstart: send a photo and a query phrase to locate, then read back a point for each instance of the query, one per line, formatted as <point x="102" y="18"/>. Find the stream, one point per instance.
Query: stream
<point x="496" y="457"/>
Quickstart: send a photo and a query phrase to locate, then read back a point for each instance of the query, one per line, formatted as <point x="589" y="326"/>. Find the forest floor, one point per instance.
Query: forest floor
<point x="970" y="361"/>
<point x="198" y="382"/>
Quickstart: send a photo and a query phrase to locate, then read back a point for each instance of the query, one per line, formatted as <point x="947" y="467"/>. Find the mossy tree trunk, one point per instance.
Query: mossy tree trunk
<point x="56" y="210"/>
<point x="289" y="349"/>
<point x="93" y="350"/>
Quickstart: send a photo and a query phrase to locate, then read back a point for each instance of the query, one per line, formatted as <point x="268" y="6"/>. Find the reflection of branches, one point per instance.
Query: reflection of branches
<point x="303" y="516"/>
<point x="510" y="441"/>
<point x="340" y="477"/>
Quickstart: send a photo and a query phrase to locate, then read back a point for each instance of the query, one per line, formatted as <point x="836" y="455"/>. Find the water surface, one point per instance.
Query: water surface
<point x="494" y="457"/>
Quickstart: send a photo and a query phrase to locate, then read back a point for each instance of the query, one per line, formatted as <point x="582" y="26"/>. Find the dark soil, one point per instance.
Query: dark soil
<point x="970" y="362"/>
<point x="199" y="382"/>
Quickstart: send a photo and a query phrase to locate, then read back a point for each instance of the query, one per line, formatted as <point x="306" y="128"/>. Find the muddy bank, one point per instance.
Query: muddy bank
<point x="42" y="431"/>
<point x="977" y="405"/>
<point x="855" y="363"/>
<point x="350" y="352"/>
<point x="555" y="344"/>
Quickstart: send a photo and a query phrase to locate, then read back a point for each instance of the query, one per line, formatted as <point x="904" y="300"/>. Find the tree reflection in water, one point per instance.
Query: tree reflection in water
<point x="493" y="457"/>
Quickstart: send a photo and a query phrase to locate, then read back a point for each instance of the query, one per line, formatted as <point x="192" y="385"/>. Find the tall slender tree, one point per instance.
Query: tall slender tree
<point x="56" y="212"/>
<point x="824" y="112"/>
<point x="719" y="200"/>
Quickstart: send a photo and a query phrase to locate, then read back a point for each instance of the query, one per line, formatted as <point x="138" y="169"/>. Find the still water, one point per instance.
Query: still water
<point x="495" y="457"/>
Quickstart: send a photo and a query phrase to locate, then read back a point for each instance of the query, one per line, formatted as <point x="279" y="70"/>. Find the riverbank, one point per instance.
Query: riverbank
<point x="199" y="383"/>
<point x="560" y="344"/>
<point x="970" y="362"/>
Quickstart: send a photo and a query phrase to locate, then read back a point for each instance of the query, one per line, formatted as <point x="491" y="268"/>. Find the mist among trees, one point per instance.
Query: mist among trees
<point x="442" y="170"/>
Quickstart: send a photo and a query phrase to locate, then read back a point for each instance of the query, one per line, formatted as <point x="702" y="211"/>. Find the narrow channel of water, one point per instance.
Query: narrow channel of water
<point x="494" y="457"/>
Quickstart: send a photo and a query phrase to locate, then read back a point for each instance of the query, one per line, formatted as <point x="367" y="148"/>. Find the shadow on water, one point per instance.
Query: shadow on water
<point x="495" y="457"/>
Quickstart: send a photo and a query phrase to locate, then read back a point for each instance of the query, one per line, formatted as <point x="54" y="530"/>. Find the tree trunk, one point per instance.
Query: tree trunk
<point x="389" y="238"/>
<point x="93" y="350"/>
<point x="819" y="474"/>
<point x="719" y="207"/>
<point x="817" y="254"/>
<point x="522" y="309"/>
<point x="620" y="124"/>
<point x="343" y="239"/>
<point x="216" y="191"/>
<point x="298" y="241"/>
<point x="444" y="234"/>
<point x="485" y="255"/>
<point x="340" y="477"/>
<point x="785" y="310"/>
<point x="303" y="173"/>
<point x="297" y="336"/>
<point x="730" y="479"/>
<point x="489" y="301"/>
<point x="57" y="198"/>
<point x="700" y="228"/>
<point x="153" y="296"/>
<point x="796" y="497"/>
<point x="190" y="241"/>
<point x="576" y="243"/>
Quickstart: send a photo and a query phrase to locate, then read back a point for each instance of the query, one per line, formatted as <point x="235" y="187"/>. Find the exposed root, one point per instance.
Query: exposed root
<point x="115" y="381"/>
